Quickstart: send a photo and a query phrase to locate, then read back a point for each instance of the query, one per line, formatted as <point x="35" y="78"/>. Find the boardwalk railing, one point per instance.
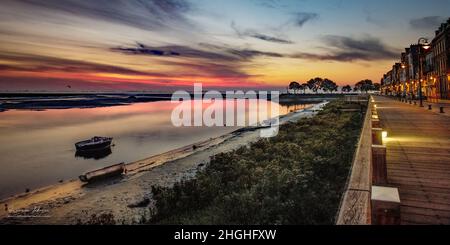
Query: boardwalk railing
<point x="367" y="199"/>
<point x="355" y="205"/>
<point x="356" y="98"/>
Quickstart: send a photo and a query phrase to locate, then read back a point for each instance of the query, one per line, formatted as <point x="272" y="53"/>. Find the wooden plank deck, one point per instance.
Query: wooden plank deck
<point x="418" y="159"/>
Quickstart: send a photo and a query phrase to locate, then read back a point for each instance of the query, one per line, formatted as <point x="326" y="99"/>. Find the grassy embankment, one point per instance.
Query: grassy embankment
<point x="295" y="178"/>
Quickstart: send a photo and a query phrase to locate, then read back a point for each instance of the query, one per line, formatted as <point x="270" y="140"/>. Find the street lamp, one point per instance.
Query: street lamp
<point x="422" y="43"/>
<point x="405" y="78"/>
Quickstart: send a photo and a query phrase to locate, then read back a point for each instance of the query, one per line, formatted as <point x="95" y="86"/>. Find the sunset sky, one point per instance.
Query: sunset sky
<point x="163" y="45"/>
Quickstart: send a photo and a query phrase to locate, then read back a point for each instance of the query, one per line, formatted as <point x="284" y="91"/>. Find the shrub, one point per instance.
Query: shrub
<point x="297" y="177"/>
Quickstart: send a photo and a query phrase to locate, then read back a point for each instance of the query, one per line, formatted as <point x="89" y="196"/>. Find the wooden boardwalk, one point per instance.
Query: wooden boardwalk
<point x="418" y="160"/>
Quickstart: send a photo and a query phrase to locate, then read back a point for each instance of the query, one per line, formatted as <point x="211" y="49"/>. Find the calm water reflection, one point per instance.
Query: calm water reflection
<point x="37" y="147"/>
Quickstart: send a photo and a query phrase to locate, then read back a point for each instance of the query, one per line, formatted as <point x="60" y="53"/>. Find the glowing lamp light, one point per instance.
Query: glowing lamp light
<point x="384" y="134"/>
<point x="375" y="116"/>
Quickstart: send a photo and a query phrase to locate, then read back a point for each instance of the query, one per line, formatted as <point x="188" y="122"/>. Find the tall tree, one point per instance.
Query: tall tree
<point x="376" y="86"/>
<point x="347" y="88"/>
<point x="364" y="86"/>
<point x="302" y="87"/>
<point x="315" y="84"/>
<point x="305" y="86"/>
<point x="294" y="86"/>
<point x="329" y="86"/>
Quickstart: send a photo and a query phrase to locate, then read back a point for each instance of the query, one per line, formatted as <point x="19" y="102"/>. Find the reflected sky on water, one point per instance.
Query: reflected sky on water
<point x="37" y="147"/>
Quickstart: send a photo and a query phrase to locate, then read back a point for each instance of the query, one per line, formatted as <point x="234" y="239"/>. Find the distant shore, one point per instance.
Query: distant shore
<point x="72" y="201"/>
<point x="45" y="101"/>
<point x="68" y="101"/>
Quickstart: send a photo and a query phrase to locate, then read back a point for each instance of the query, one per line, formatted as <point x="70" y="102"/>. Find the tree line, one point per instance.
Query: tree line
<point x="329" y="86"/>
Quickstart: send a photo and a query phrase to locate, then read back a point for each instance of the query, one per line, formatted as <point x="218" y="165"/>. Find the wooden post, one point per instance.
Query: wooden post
<point x="374" y="112"/>
<point x="377" y="136"/>
<point x="376" y="123"/>
<point x="379" y="168"/>
<point x="429" y="107"/>
<point x="441" y="109"/>
<point x="385" y="206"/>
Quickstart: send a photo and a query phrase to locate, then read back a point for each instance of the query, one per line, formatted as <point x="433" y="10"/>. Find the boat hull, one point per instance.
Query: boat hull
<point x="95" y="147"/>
<point x="88" y="145"/>
<point x="103" y="173"/>
<point x="94" y="154"/>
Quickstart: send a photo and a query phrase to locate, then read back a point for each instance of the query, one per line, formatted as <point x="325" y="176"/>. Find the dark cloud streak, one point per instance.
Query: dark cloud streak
<point x="429" y="22"/>
<point x="216" y="54"/>
<point x="301" y="18"/>
<point x="174" y="51"/>
<point x="347" y="49"/>
<point x="254" y="34"/>
<point x="149" y="14"/>
<point x="270" y="39"/>
<point x="35" y="63"/>
<point x="214" y="60"/>
<point x="272" y="4"/>
<point x="337" y="48"/>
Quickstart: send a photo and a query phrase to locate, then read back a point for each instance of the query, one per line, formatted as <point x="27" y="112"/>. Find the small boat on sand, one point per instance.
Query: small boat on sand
<point x="94" y="144"/>
<point x="109" y="171"/>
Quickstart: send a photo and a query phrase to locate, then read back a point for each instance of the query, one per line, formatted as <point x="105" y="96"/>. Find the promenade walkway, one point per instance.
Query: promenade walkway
<point x="418" y="160"/>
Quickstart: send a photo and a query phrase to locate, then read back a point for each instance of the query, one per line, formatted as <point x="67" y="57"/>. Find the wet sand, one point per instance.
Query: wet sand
<point x="73" y="201"/>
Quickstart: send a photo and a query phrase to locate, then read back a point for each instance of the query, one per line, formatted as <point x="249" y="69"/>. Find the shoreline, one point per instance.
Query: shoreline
<point x="74" y="201"/>
<point x="85" y="101"/>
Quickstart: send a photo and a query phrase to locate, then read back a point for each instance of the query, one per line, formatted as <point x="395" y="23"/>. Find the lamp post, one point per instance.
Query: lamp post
<point x="422" y="43"/>
<point x="404" y="78"/>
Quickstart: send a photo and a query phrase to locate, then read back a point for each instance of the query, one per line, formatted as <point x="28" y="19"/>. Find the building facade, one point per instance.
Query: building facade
<point x="422" y="67"/>
<point x="404" y="74"/>
<point x="441" y="52"/>
<point x="413" y="71"/>
<point x="429" y="74"/>
<point x="395" y="76"/>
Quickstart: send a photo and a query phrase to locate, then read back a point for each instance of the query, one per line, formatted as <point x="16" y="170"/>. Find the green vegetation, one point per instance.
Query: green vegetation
<point x="314" y="85"/>
<point x="328" y="86"/>
<point x="366" y="85"/>
<point x="101" y="219"/>
<point x="295" y="86"/>
<point x="297" y="177"/>
<point x="347" y="88"/>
